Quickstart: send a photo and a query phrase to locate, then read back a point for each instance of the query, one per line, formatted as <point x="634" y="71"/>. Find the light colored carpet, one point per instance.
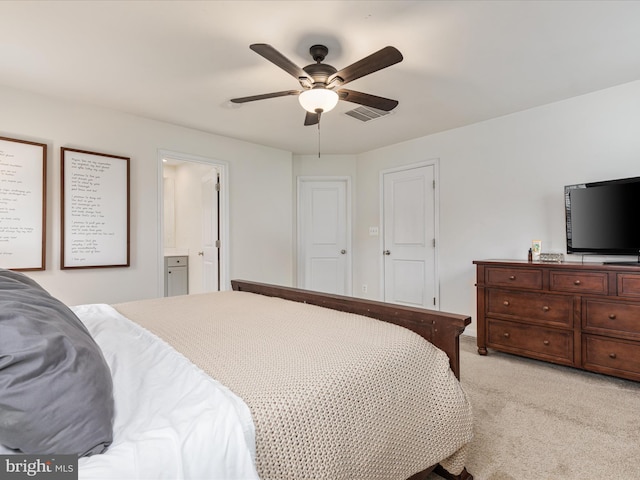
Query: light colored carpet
<point x="537" y="421"/>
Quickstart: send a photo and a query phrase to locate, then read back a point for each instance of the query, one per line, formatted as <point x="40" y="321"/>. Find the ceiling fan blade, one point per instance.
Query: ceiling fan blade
<point x="264" y="96"/>
<point x="311" y="119"/>
<point x="275" y="57"/>
<point x="376" y="61"/>
<point x="367" y="99"/>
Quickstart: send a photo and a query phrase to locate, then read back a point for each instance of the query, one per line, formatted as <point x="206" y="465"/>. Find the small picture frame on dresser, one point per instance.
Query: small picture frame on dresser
<point x="536" y="248"/>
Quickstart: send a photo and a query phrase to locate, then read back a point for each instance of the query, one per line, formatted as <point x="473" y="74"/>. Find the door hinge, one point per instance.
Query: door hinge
<point x="434" y="184"/>
<point x="434" y="243"/>
<point x="434" y="301"/>
<point x="218" y="187"/>
<point x="217" y="243"/>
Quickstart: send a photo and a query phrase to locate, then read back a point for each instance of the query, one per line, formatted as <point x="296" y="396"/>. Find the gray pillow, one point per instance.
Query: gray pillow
<point x="56" y="393"/>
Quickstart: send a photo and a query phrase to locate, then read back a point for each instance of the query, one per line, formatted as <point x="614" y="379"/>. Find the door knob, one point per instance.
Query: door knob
<point x="201" y="254"/>
<point x="387" y="252"/>
<point x="343" y="251"/>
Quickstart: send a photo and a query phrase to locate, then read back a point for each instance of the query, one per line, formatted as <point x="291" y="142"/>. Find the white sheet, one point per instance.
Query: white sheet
<point x="172" y="420"/>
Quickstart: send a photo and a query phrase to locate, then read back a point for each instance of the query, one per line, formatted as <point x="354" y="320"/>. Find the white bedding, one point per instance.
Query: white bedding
<point x="332" y="395"/>
<point x="176" y="424"/>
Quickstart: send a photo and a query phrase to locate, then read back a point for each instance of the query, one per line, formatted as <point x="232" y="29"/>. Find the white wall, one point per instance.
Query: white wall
<point x="501" y="186"/>
<point x="260" y="194"/>
<point x="501" y="183"/>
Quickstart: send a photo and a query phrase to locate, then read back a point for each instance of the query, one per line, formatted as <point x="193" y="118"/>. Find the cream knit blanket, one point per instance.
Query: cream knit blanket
<point x="334" y="396"/>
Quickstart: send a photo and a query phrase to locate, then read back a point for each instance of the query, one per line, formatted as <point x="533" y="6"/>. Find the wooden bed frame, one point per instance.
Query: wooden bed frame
<point x="440" y="328"/>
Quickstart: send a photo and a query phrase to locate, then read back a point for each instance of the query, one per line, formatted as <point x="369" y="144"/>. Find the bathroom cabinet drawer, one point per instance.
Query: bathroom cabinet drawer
<point x="179" y="261"/>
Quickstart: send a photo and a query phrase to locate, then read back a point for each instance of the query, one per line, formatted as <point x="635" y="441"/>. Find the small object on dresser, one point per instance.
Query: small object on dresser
<point x="536" y="248"/>
<point x="530" y="256"/>
<point x="552" y="257"/>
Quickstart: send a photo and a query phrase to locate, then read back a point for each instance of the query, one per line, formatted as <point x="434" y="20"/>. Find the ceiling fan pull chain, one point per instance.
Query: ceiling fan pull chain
<point x="319" y="112"/>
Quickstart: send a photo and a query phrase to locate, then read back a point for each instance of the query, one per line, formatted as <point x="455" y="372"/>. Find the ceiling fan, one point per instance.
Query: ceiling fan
<point x="322" y="84"/>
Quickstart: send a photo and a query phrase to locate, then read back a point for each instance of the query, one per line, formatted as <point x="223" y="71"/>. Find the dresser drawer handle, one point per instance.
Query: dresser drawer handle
<point x="612" y="355"/>
<point x="546" y="342"/>
<point x="512" y="277"/>
<point x="577" y="282"/>
<point x="506" y="334"/>
<point x="545" y="308"/>
<point x="506" y="303"/>
<point x="612" y="316"/>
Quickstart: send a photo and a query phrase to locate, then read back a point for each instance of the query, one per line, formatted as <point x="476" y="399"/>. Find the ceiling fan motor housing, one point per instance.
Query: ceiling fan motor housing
<point x="320" y="72"/>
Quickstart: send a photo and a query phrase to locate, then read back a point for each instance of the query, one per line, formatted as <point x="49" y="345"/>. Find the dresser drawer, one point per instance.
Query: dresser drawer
<point x="514" y="277"/>
<point x="578" y="282"/>
<point x="531" y="341"/>
<point x="628" y="285"/>
<point x="543" y="308"/>
<point x="613" y="316"/>
<point x="611" y="356"/>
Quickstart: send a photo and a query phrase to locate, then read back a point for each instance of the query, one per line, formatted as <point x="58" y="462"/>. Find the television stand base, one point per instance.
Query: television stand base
<point x="623" y="262"/>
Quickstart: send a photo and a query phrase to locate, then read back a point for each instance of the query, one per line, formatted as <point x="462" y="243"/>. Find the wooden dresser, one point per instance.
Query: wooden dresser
<point x="585" y="315"/>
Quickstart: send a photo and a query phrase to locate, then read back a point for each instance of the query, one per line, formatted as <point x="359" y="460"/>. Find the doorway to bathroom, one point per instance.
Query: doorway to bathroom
<point x="194" y="217"/>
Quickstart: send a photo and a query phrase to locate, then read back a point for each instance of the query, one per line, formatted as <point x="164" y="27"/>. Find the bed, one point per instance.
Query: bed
<point x="266" y="382"/>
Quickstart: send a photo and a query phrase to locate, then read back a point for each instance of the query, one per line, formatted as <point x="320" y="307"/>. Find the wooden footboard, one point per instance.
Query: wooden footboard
<point x="440" y="328"/>
<point x="424" y="475"/>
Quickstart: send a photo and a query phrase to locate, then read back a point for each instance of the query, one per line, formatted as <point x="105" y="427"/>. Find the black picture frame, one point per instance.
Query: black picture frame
<point x="23" y="204"/>
<point x="95" y="210"/>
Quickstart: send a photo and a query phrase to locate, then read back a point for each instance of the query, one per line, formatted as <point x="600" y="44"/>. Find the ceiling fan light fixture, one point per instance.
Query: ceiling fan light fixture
<point x="318" y="99"/>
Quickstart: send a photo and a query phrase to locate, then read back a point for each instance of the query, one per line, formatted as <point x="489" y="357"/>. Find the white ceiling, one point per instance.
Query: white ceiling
<point x="181" y="61"/>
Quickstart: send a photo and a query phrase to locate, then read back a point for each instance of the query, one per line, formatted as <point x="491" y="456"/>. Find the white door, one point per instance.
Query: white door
<point x="210" y="232"/>
<point x="324" y="257"/>
<point x="409" y="237"/>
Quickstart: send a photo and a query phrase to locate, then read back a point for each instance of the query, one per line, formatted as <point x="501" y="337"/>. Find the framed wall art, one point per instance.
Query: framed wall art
<point x="23" y="204"/>
<point x="95" y="209"/>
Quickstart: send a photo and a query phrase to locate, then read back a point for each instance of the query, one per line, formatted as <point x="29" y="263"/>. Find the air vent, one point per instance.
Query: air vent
<point x="364" y="114"/>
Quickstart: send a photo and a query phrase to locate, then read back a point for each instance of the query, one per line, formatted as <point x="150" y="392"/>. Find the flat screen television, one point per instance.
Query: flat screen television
<point x="604" y="217"/>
